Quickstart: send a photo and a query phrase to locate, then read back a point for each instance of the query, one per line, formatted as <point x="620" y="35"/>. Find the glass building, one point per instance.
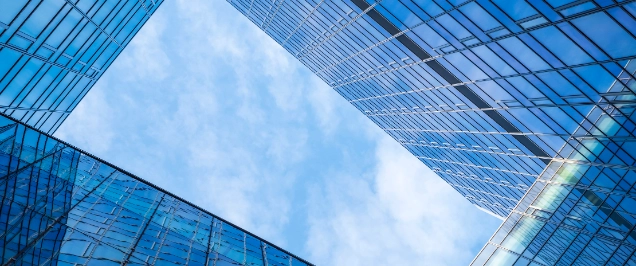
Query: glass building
<point x="582" y="209"/>
<point x="53" y="51"/>
<point x="487" y="93"/>
<point x="525" y="107"/>
<point x="62" y="206"/>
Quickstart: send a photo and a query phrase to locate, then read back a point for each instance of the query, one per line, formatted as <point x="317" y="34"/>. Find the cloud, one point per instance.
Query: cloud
<point x="147" y="53"/>
<point x="400" y="213"/>
<point x="287" y="146"/>
<point x="207" y="106"/>
<point x="232" y="121"/>
<point x="188" y="107"/>
<point x="323" y="102"/>
<point x="278" y="64"/>
<point x="88" y="125"/>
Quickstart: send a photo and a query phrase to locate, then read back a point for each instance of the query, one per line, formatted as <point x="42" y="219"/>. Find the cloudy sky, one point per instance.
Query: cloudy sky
<point x="205" y="105"/>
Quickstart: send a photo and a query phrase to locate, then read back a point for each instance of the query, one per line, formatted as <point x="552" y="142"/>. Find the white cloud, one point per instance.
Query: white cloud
<point x="323" y="101"/>
<point x="172" y="119"/>
<point x="89" y="124"/>
<point x="287" y="146"/>
<point x="399" y="214"/>
<point x="147" y="53"/>
<point x="238" y="154"/>
<point x="215" y="111"/>
<point x="277" y="64"/>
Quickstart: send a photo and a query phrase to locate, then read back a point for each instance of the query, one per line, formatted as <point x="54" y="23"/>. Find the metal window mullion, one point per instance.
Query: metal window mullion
<point x="264" y="253"/>
<point x="484" y="192"/>
<point x="342" y="27"/>
<point x="93" y="22"/>
<point x="15" y="258"/>
<point x="269" y="18"/>
<point x="400" y="33"/>
<point x="479" y="80"/>
<point x="478" y="151"/>
<point x="207" y="251"/>
<point x="244" y="248"/>
<point x="477" y="166"/>
<point x="137" y="239"/>
<point x="302" y="23"/>
<point x="166" y="227"/>
<point x="396" y="34"/>
<point x="46" y="61"/>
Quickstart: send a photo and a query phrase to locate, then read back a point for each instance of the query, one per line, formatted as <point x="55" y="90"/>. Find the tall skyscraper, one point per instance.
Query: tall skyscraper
<point x="495" y="96"/>
<point x="62" y="206"/>
<point x="53" y="51"/>
<point x="525" y="107"/>
<point x="582" y="209"/>
<point x="485" y="92"/>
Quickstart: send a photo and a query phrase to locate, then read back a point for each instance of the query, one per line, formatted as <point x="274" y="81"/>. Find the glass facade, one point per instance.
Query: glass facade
<point x="525" y="107"/>
<point x="62" y="206"/>
<point x="486" y="93"/>
<point x="53" y="51"/>
<point x="582" y="209"/>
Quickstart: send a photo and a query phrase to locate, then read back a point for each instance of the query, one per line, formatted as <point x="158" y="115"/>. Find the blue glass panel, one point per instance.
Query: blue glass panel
<point x="596" y="76"/>
<point x="89" y="212"/>
<point x="451" y="25"/>
<point x="516" y="9"/>
<point x="561" y="46"/>
<point x="493" y="60"/>
<point x="557" y="3"/>
<point x="41" y="17"/>
<point x="578" y="9"/>
<point x="430" y="7"/>
<point x="524" y="54"/>
<point x="403" y="14"/>
<point x="56" y="31"/>
<point x="607" y="34"/>
<point x="479" y="16"/>
<point x="10" y="9"/>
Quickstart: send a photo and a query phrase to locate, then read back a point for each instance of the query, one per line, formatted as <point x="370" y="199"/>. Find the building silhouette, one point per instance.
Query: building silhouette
<point x="485" y="93"/>
<point x="526" y="108"/>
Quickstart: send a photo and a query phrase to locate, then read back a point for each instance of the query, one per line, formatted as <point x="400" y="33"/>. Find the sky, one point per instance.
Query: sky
<point x="205" y="105"/>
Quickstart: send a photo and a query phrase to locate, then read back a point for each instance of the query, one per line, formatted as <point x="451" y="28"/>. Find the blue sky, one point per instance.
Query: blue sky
<point x="205" y="105"/>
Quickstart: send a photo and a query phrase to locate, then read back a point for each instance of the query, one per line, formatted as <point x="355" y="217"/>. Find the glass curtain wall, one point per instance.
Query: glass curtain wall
<point x="52" y="52"/>
<point x="582" y="210"/>
<point x="62" y="206"/>
<point x="484" y="92"/>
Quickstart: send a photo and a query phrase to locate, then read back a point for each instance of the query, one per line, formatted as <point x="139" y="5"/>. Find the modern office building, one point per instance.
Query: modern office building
<point x="53" y="51"/>
<point x="582" y="209"/>
<point x="62" y="206"/>
<point x="525" y="107"/>
<point x="485" y="92"/>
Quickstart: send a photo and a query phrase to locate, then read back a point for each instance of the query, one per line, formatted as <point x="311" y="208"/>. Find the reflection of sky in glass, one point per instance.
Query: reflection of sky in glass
<point x="54" y="51"/>
<point x="94" y="212"/>
<point x="593" y="208"/>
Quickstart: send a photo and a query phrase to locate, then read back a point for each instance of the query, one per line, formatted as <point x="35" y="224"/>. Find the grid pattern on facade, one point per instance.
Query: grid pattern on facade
<point x="63" y="206"/>
<point x="484" y="92"/>
<point x="581" y="211"/>
<point x="53" y="52"/>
